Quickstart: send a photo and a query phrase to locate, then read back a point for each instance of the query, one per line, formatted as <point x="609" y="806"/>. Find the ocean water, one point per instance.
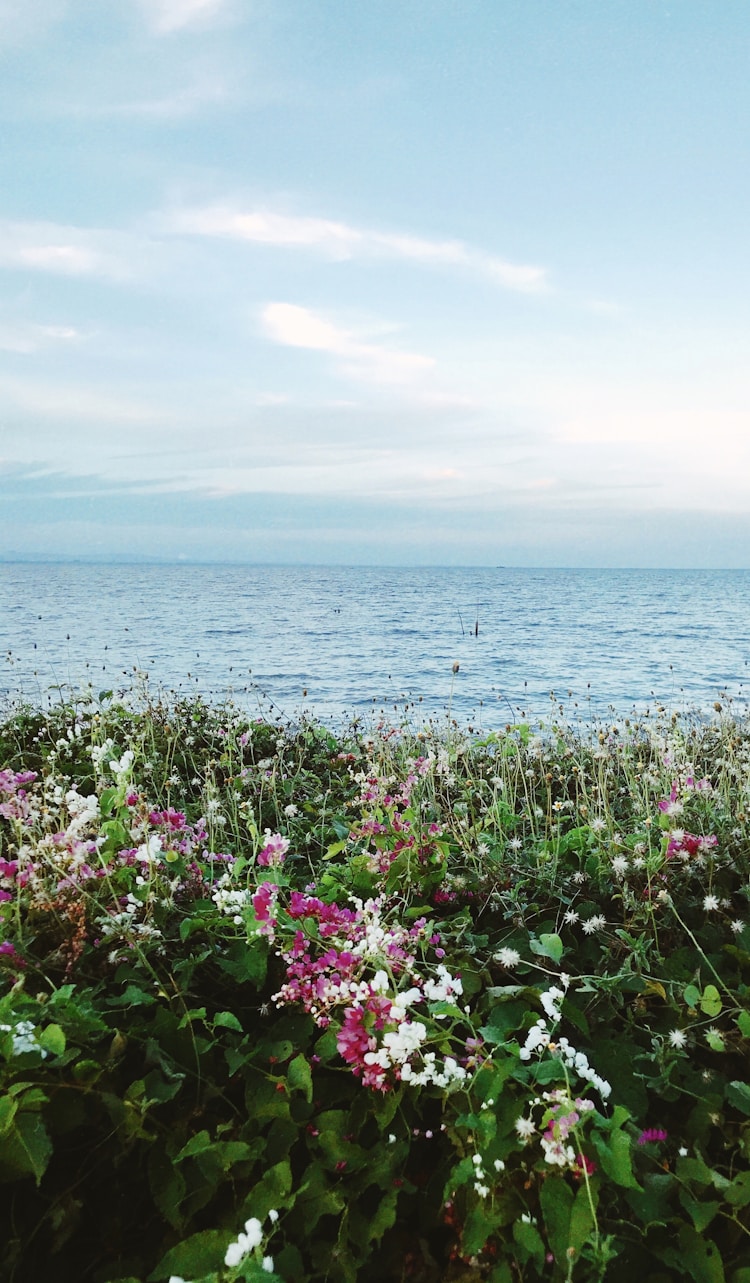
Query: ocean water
<point x="342" y="641"/>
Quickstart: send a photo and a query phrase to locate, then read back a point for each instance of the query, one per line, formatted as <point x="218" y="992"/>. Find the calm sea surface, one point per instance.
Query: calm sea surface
<point x="338" y="641"/>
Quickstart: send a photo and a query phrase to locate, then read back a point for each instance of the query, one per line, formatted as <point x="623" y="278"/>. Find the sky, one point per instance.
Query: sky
<point x="408" y="282"/>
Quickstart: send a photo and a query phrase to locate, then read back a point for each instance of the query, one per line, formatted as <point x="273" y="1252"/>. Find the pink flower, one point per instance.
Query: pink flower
<point x="274" y="851"/>
<point x="651" y="1134"/>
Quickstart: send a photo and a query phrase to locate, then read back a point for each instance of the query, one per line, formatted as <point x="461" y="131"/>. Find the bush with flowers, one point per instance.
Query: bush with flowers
<point x="392" y="1004"/>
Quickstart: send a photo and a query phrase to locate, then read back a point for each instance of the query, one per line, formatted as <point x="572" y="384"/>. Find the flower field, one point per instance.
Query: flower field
<point x="395" y="1004"/>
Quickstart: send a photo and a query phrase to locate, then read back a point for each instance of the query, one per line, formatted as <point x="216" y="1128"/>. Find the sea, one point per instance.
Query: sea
<point x="482" y="646"/>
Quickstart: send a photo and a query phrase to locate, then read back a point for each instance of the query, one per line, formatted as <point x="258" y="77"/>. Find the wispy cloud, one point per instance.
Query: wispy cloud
<point x="296" y="326"/>
<point x="167" y="16"/>
<point x="26" y="339"/>
<point x="62" y="250"/>
<point x="340" y="240"/>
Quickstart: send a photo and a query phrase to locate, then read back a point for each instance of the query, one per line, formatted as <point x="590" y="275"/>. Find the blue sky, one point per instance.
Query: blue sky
<point x="410" y="282"/>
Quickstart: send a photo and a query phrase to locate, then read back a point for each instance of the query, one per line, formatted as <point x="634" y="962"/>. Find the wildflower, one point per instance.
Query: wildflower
<point x="267" y="1264"/>
<point x="651" y="1134"/>
<point x="710" y="902"/>
<point x="597" y="923"/>
<point x="290" y="811"/>
<point x="619" y="865"/>
<point x="677" y="1038"/>
<point x="508" y="957"/>
<point x="525" y="1127"/>
<point x="598" y="824"/>
<point x="682" y="1151"/>
<point x="273" y="1215"/>
<point x="274" y="851"/>
<point x="737" y="926"/>
<point x="570" y="916"/>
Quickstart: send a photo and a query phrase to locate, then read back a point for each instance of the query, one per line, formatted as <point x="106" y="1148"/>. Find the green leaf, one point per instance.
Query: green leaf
<point x="336" y="848"/>
<point x="556" y="1199"/>
<point x="614" y="1155"/>
<point x="743" y="1023"/>
<point x="548" y="945"/>
<point x="8" y="1109"/>
<point x="529" y="1240"/>
<point x="202" y="1253"/>
<point x="299" y="1076"/>
<point x="692" y="995"/>
<point x="738" y="1193"/>
<point x="710" y="1002"/>
<point x="701" y="1214"/>
<point x="26" y="1147"/>
<point x="53" y="1040"/>
<point x="227" y="1020"/>
<point x="581" y="1219"/>
<point x="738" y="1094"/>
<point x="197" y="1144"/>
<point x="700" y="1256"/>
<point x="714" y="1040"/>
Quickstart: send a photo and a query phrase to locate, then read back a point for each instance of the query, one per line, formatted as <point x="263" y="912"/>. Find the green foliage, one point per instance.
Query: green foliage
<point x="185" y="1023"/>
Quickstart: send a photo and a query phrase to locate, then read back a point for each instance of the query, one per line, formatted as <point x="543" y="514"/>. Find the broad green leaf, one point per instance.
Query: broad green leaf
<point x="200" y="1254"/>
<point x="529" y="1240"/>
<point x="743" y="1023"/>
<point x="738" y="1193"/>
<point x="738" y="1094"/>
<point x="692" y="996"/>
<point x="227" y="1020"/>
<point x="700" y="1213"/>
<point x="197" y="1144"/>
<point x="548" y="945"/>
<point x="710" y="1002"/>
<point x="299" y="1076"/>
<point x="614" y="1155"/>
<point x="581" y="1219"/>
<point x="26" y="1147"/>
<point x="52" y="1039"/>
<point x="556" y="1199"/>
<point x="700" y="1256"/>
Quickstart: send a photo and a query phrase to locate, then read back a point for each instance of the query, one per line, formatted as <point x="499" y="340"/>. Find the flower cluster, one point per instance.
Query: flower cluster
<point x="349" y="964"/>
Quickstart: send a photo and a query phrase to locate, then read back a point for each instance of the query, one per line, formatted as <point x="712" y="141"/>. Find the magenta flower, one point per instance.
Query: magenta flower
<point x="274" y="851"/>
<point x="651" y="1134"/>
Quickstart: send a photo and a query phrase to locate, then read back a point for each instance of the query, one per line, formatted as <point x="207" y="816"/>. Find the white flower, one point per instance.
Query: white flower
<point x="710" y="902"/>
<point x="508" y="957"/>
<point x="273" y="1215"/>
<point x="290" y="811"/>
<point x="525" y="1127"/>
<point x="234" y="1254"/>
<point x="267" y="1264"/>
<point x="683" y="1153"/>
<point x="737" y="926"/>
<point x="597" y="824"/>
<point x="594" y="924"/>
<point x="579" y="876"/>
<point x="570" y="916"/>
<point x="620" y="865"/>
<point x="677" y="1037"/>
<point x="253" y="1233"/>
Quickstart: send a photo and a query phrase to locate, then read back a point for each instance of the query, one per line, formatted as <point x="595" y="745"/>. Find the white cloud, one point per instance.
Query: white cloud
<point x="62" y="250"/>
<point x="341" y="241"/>
<point x="166" y="16"/>
<point x="25" y="339"/>
<point x="296" y="326"/>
